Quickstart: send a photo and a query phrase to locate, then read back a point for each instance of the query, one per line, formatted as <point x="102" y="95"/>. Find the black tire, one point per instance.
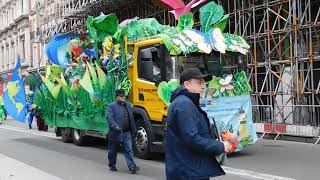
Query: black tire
<point x="66" y="135"/>
<point x="142" y="141"/>
<point x="78" y="137"/>
<point x="57" y="130"/>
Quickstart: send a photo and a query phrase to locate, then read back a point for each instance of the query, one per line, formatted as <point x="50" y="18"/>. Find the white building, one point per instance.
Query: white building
<point x="20" y="21"/>
<point x="14" y="34"/>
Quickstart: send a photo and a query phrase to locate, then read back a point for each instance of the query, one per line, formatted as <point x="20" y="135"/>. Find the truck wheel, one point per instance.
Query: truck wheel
<point x="57" y="130"/>
<point x="141" y="141"/>
<point x="78" y="137"/>
<point x="66" y="135"/>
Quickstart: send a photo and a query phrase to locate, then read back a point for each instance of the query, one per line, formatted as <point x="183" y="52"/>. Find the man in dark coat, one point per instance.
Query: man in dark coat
<point x="122" y="129"/>
<point x="191" y="144"/>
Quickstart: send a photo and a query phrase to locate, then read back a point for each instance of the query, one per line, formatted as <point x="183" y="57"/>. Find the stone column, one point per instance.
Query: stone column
<point x="26" y="6"/>
<point x="27" y="43"/>
<point x="10" y="53"/>
<point x="7" y="57"/>
<point x="1" y="58"/>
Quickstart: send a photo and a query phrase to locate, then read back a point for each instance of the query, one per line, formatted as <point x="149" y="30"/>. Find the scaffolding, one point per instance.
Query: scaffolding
<point x="60" y="16"/>
<point x="284" y="61"/>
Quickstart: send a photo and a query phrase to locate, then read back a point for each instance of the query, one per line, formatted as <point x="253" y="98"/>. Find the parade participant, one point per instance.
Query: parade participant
<point x="122" y="130"/>
<point x="191" y="145"/>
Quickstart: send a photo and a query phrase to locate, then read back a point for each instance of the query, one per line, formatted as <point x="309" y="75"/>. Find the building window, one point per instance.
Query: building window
<point x="13" y="54"/>
<point x="23" y="51"/>
<point x="21" y="2"/>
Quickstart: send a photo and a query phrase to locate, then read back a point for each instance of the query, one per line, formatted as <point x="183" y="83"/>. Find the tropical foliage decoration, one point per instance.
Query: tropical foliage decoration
<point x="166" y="88"/>
<point x="229" y="85"/>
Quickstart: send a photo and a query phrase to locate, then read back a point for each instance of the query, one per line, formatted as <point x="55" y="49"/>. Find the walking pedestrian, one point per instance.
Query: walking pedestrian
<point x="30" y="108"/>
<point x="122" y="130"/>
<point x="191" y="144"/>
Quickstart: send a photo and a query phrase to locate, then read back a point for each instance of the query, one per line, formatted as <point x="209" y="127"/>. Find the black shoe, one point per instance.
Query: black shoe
<point x="134" y="169"/>
<point x="113" y="169"/>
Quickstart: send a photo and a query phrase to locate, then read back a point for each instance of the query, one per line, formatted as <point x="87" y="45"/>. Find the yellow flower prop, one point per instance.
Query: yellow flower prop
<point x="112" y="51"/>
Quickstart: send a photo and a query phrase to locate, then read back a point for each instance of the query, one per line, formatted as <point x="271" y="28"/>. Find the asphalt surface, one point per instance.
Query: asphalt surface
<point x="30" y="154"/>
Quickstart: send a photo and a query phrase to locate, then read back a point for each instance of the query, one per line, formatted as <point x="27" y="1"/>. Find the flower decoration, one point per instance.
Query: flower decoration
<point x="110" y="50"/>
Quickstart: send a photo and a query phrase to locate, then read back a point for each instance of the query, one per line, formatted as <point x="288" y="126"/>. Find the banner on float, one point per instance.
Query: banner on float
<point x="232" y="114"/>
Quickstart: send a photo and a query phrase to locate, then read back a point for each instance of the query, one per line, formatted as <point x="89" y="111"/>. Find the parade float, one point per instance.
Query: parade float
<point x="144" y="58"/>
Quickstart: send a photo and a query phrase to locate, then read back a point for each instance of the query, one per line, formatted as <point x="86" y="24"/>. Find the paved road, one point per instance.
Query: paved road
<point x="29" y="154"/>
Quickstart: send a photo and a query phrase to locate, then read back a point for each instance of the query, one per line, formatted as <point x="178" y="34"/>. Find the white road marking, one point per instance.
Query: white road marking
<point x="228" y="170"/>
<point x="38" y="133"/>
<point x="253" y="174"/>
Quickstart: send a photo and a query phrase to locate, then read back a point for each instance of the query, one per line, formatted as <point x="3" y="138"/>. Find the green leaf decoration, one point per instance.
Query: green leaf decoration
<point x="241" y="84"/>
<point x="102" y="26"/>
<point x="101" y="76"/>
<point x="143" y="28"/>
<point x="53" y="89"/>
<point x="222" y="23"/>
<point x="236" y="43"/>
<point x="171" y="47"/>
<point x="64" y="84"/>
<point x="210" y="14"/>
<point x="85" y="82"/>
<point x="185" y="22"/>
<point x="125" y="85"/>
<point x="165" y="89"/>
<point x="93" y="74"/>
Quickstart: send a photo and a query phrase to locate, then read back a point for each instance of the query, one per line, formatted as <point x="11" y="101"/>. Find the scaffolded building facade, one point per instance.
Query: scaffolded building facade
<point x="283" y="64"/>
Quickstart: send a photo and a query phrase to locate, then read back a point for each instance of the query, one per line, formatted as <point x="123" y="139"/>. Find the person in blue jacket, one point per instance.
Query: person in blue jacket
<point x="190" y="143"/>
<point x="122" y="129"/>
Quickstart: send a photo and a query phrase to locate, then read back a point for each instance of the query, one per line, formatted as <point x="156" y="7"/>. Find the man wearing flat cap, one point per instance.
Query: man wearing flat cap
<point x="191" y="144"/>
<point x="122" y="130"/>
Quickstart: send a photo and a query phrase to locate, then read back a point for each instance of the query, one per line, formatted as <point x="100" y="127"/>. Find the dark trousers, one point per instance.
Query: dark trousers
<point x="126" y="142"/>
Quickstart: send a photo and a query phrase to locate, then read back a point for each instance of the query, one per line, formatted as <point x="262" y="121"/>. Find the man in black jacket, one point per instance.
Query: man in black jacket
<point x="122" y="129"/>
<point x="191" y="146"/>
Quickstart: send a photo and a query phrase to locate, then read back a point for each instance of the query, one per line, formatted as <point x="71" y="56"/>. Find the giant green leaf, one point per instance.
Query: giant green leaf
<point x="143" y="28"/>
<point x="236" y="43"/>
<point x="53" y="89"/>
<point x="165" y="89"/>
<point x="101" y="26"/>
<point x="222" y="23"/>
<point x="85" y="82"/>
<point x="64" y="84"/>
<point x="210" y="14"/>
<point x="171" y="47"/>
<point x="101" y="76"/>
<point x="185" y="22"/>
<point x="93" y="74"/>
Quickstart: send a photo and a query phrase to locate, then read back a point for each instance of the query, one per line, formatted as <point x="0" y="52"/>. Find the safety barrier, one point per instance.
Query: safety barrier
<point x="263" y="118"/>
<point x="296" y="120"/>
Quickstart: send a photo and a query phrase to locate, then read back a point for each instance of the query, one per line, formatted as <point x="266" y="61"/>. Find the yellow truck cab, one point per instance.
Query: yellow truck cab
<point x="151" y="65"/>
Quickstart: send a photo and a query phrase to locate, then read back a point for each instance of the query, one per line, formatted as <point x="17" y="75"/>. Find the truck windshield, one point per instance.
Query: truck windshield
<point x="176" y="64"/>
